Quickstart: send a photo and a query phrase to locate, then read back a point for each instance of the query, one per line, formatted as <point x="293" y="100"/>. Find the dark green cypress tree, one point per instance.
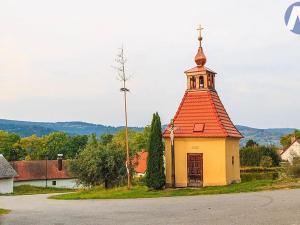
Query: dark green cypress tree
<point x="155" y="175"/>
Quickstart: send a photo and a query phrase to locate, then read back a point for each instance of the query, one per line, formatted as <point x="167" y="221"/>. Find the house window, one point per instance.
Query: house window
<point x="54" y="183"/>
<point x="232" y="160"/>
<point x="201" y="82"/>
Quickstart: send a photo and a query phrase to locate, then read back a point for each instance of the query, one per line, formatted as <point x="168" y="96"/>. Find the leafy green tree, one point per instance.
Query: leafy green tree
<point x="100" y="164"/>
<point x="155" y="175"/>
<point x="266" y="161"/>
<point x="8" y="146"/>
<point x="286" y="140"/>
<point x="33" y="147"/>
<point x="250" y="144"/>
<point x="106" y="138"/>
<point x="75" y="144"/>
<point x="253" y="156"/>
<point x="136" y="140"/>
<point x="55" y="143"/>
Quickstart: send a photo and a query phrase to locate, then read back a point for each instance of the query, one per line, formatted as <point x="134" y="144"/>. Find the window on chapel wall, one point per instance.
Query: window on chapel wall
<point x="201" y="82"/>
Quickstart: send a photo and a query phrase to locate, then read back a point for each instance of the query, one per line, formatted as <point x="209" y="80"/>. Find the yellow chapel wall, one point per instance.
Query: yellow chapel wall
<point x="233" y="169"/>
<point x="214" y="160"/>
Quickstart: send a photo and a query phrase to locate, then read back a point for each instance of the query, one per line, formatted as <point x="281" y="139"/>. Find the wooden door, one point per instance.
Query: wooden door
<point x="195" y="169"/>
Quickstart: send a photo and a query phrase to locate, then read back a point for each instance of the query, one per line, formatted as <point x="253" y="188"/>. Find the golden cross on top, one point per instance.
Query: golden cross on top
<point x="200" y="28"/>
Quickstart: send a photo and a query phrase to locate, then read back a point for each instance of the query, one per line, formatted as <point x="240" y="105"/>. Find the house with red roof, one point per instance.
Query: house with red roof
<point x="43" y="173"/>
<point x="292" y="151"/>
<point x="140" y="163"/>
<point x="201" y="142"/>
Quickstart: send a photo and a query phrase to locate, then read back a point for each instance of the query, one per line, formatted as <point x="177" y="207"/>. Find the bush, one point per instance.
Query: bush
<point x="253" y="156"/>
<point x="266" y="161"/>
<point x="259" y="176"/>
<point x="294" y="169"/>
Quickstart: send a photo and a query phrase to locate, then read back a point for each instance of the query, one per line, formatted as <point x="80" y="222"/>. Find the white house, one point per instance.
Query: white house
<point x="7" y="174"/>
<point x="43" y="173"/>
<point x="292" y="151"/>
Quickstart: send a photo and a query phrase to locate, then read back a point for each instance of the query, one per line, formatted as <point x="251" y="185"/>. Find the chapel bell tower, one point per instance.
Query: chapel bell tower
<point x="200" y="78"/>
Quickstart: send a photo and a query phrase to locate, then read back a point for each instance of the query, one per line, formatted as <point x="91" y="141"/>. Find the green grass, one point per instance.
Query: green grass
<point x="144" y="192"/>
<point x="31" y="190"/>
<point x="4" y="211"/>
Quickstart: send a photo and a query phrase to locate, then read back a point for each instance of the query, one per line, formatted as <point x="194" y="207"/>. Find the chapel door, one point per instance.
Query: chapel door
<point x="195" y="169"/>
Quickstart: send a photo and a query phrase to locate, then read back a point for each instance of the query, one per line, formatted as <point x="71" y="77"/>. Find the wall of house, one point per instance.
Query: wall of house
<point x="233" y="164"/>
<point x="6" y="186"/>
<point x="214" y="166"/>
<point x="60" y="183"/>
<point x="291" y="152"/>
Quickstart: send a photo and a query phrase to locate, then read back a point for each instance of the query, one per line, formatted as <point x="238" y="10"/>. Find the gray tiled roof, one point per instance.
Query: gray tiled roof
<point x="6" y="170"/>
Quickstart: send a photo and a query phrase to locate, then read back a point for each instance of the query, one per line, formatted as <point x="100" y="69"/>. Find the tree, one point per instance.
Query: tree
<point x="250" y="144"/>
<point x="253" y="156"/>
<point x="8" y="146"/>
<point x="33" y="146"/>
<point x="286" y="140"/>
<point x="266" y="161"/>
<point x="155" y="175"/>
<point x="100" y="164"/>
<point x="75" y="144"/>
<point x="106" y="138"/>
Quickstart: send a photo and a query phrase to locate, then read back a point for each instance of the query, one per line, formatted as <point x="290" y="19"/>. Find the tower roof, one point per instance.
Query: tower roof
<point x="202" y="114"/>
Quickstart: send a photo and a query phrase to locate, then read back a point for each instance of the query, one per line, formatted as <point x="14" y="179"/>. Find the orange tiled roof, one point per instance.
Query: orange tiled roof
<point x="36" y="170"/>
<point x="140" y="162"/>
<point x="202" y="114"/>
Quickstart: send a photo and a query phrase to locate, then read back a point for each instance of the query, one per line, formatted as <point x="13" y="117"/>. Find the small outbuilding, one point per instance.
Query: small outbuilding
<point x="7" y="174"/>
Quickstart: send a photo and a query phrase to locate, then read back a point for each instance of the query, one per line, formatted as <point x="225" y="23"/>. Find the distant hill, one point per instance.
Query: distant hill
<point x="27" y="128"/>
<point x="263" y="136"/>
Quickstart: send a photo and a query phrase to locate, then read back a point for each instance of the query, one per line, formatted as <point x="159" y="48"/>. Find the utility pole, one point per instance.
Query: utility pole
<point x="121" y="60"/>
<point x="46" y="175"/>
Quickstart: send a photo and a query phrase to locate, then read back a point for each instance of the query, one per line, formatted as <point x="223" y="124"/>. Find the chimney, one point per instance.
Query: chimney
<point x="293" y="138"/>
<point x="59" y="161"/>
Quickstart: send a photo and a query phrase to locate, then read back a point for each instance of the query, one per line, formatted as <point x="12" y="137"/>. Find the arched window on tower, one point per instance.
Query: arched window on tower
<point x="201" y="82"/>
<point x="192" y="82"/>
<point x="212" y="81"/>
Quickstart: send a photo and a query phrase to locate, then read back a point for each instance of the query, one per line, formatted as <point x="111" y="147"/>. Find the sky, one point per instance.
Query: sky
<point x="57" y="58"/>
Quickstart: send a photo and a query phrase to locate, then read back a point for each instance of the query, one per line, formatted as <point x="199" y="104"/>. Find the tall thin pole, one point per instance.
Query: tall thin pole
<point x="126" y="139"/>
<point x="122" y="76"/>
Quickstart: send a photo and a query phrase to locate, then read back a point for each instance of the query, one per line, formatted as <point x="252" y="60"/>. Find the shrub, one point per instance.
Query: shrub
<point x="252" y="156"/>
<point x="259" y="176"/>
<point x="294" y="169"/>
<point x="266" y="161"/>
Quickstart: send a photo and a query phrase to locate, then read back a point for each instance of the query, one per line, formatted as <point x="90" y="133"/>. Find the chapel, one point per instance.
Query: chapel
<point x="201" y="142"/>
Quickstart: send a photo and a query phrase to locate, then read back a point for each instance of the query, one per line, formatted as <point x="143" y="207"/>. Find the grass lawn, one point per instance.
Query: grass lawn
<point x="31" y="190"/>
<point x="4" y="211"/>
<point x="143" y="192"/>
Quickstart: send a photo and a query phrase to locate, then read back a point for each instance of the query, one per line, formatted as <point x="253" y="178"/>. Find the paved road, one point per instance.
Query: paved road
<point x="276" y="207"/>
